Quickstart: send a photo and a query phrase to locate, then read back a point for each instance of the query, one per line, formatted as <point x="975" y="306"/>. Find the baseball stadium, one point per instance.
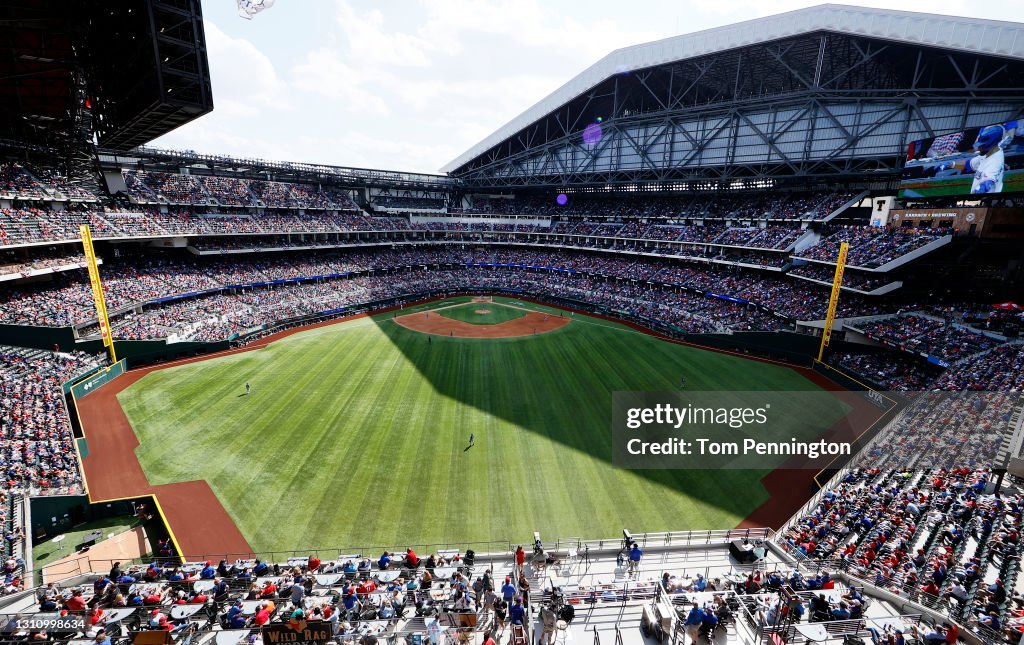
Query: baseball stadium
<point x="717" y="342"/>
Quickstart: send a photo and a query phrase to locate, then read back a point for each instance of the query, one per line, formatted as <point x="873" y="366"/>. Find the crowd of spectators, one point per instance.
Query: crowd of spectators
<point x="601" y="280"/>
<point x="926" y="335"/>
<point x="12" y="263"/>
<point x="871" y="246"/>
<point x="66" y="299"/>
<point x="166" y="187"/>
<point x="851" y="279"/>
<point x="16" y="182"/>
<point x="399" y="202"/>
<point x="29" y="224"/>
<point x="62" y="186"/>
<point x="19" y="226"/>
<point x="933" y="536"/>
<point x="914" y="512"/>
<point x="229" y="191"/>
<point x="273" y="194"/>
<point x="36" y="445"/>
<point x="999" y="370"/>
<point x="232" y="192"/>
<point x="891" y="370"/>
<point x="356" y="598"/>
<point x="754" y="206"/>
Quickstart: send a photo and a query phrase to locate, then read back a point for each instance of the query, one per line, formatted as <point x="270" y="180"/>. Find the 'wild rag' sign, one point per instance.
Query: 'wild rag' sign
<point x="313" y="631"/>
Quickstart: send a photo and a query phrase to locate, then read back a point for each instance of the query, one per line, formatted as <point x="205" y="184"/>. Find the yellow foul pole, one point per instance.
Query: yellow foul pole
<point x="97" y="291"/>
<point x="833" y="301"/>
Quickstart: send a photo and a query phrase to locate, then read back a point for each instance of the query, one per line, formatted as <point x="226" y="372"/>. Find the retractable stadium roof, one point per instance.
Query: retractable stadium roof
<point x="972" y="35"/>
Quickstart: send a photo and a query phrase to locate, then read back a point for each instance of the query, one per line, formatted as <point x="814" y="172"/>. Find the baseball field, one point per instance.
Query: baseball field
<point x="357" y="433"/>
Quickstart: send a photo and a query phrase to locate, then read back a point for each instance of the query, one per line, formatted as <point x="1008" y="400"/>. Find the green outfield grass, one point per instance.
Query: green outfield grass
<point x="497" y="313"/>
<point x="356" y="434"/>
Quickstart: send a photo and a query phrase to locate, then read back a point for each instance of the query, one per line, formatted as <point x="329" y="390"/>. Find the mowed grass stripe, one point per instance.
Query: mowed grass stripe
<point x="373" y="484"/>
<point x="354" y="435"/>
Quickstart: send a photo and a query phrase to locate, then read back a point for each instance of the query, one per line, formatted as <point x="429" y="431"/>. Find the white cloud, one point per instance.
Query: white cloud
<point x="325" y="74"/>
<point x="371" y="38"/>
<point x="241" y="72"/>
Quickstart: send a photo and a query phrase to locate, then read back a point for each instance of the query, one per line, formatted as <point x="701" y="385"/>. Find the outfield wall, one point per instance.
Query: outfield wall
<point x="95" y="379"/>
<point x="792" y="347"/>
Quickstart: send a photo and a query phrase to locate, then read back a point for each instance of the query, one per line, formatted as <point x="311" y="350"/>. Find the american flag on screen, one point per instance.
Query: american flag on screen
<point x="945" y="145"/>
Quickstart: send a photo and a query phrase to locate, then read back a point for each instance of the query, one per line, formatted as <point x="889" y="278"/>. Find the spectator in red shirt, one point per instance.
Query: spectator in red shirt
<point x="76" y="603"/>
<point x="367" y="587"/>
<point x="262" y="616"/>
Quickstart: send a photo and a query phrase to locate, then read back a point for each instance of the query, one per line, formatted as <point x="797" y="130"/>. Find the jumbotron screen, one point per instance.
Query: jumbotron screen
<point x="978" y="161"/>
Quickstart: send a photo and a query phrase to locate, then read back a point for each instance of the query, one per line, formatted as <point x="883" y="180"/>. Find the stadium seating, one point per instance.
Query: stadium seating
<point x="851" y="279"/>
<point x="870" y="246"/>
<point x="66" y="301"/>
<point x="163" y="204"/>
<point x="16" y="182"/>
<point x="396" y="202"/>
<point x="891" y="370"/>
<point x="36" y="447"/>
<point x="747" y="207"/>
<point x="928" y="336"/>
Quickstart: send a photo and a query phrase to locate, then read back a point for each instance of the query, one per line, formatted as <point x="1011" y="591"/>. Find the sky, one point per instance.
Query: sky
<point x="411" y="84"/>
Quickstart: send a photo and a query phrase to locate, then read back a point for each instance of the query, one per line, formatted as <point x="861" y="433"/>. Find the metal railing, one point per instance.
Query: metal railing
<point x="666" y="539"/>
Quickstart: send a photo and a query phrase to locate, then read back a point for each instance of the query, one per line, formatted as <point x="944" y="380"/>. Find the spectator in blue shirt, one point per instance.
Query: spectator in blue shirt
<point x="710" y="620"/>
<point x="634" y="557"/>
<point x="260" y="568"/>
<point x="841" y="612"/>
<point x="384" y="562"/>
<point x="517" y="612"/>
<point x="693" y="622"/>
<point x="208" y="572"/>
<point x="351" y="602"/>
<point x="508" y="590"/>
<point x="220" y="589"/>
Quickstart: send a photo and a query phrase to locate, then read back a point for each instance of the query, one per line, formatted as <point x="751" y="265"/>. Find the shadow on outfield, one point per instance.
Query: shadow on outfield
<point x="559" y="385"/>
